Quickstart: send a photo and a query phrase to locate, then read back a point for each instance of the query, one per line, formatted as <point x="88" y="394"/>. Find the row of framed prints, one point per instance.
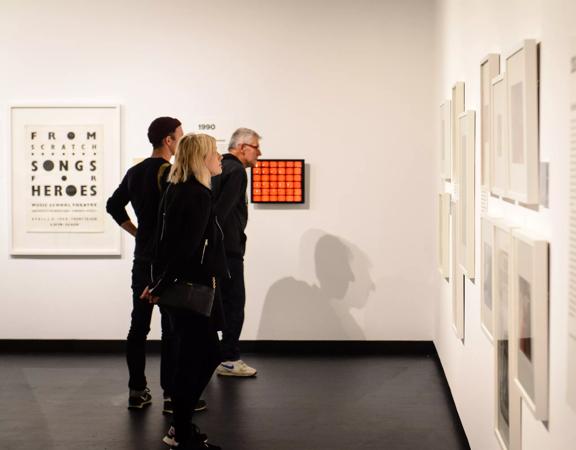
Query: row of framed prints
<point x="514" y="284"/>
<point x="509" y="126"/>
<point x="514" y="315"/>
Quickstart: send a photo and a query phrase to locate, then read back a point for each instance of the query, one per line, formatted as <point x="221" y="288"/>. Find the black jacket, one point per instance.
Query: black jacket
<point x="142" y="186"/>
<point x="188" y="245"/>
<point x="231" y="204"/>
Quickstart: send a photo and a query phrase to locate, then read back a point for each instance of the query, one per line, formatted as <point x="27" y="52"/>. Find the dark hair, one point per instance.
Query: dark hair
<point x="160" y="128"/>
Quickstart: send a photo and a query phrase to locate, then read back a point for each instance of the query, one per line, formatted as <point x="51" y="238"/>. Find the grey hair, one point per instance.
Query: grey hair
<point x="240" y="135"/>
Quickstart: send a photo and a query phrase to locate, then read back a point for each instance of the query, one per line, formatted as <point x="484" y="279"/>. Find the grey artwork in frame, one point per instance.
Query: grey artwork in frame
<point x="489" y="68"/>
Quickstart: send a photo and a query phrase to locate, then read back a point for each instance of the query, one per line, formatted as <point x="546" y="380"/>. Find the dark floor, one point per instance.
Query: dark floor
<point x="63" y="402"/>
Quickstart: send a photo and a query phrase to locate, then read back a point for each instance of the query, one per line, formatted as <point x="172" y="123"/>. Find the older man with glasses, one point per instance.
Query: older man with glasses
<point x="231" y="208"/>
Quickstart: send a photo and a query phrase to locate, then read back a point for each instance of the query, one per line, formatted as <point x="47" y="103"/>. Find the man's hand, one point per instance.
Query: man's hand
<point x="147" y="295"/>
<point x="129" y="227"/>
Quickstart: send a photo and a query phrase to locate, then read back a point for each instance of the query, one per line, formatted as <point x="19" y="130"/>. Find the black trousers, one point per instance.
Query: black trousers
<point x="198" y="357"/>
<point x="139" y="329"/>
<point x="233" y="300"/>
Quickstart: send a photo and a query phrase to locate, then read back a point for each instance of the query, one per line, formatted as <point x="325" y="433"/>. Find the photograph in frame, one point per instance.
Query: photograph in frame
<point x="65" y="163"/>
<point x="486" y="276"/>
<point x="499" y="157"/>
<point x="457" y="280"/>
<point x="466" y="197"/>
<point x="489" y="68"/>
<point x="457" y="105"/>
<point x="522" y="87"/>
<point x="501" y="332"/>
<point x="446" y="140"/>
<point x="444" y="200"/>
<point x="530" y="300"/>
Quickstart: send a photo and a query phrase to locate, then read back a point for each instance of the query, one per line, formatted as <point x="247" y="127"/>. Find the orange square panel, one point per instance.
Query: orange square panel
<point x="278" y="181"/>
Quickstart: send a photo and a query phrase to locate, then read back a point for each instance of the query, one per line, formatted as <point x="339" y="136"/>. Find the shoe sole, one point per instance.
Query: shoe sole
<point x="230" y="374"/>
<point x="142" y="406"/>
<point x="203" y="408"/>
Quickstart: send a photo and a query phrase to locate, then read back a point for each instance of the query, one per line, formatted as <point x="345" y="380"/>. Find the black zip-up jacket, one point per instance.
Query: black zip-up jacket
<point x="231" y="207"/>
<point x="142" y="186"/>
<point x="188" y="243"/>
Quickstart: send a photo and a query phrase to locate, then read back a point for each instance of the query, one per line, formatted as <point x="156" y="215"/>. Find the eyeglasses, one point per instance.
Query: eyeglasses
<point x="255" y="147"/>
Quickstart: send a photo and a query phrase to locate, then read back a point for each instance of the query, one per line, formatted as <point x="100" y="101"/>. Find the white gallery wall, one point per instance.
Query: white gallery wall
<point x="347" y="85"/>
<point x="468" y="31"/>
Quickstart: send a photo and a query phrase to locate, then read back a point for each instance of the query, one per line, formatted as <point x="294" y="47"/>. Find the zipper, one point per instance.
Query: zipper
<point x="204" y="251"/>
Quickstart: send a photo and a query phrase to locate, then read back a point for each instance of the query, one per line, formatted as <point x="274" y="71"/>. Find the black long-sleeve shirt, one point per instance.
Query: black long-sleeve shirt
<point x="142" y="186"/>
<point x="231" y="207"/>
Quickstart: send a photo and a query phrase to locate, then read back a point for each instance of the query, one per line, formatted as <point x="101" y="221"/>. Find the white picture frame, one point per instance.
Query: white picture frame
<point x="489" y="68"/>
<point x="446" y="140"/>
<point x="457" y="280"/>
<point x="457" y="108"/>
<point x="487" y="276"/>
<point x="499" y="162"/>
<point x="530" y="303"/>
<point x="444" y="200"/>
<point x="506" y="408"/>
<point x="523" y="125"/>
<point x="65" y="162"/>
<point x="466" y="193"/>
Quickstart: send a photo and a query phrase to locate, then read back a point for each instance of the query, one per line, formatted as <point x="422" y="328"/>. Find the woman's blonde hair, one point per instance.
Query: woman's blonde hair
<point x="189" y="159"/>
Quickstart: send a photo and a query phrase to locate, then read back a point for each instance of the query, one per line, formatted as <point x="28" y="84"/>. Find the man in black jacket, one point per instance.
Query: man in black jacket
<point x="142" y="186"/>
<point x="231" y="209"/>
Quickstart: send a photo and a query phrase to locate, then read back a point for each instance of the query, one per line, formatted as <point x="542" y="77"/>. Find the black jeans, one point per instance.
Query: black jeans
<point x="198" y="357"/>
<point x="139" y="329"/>
<point x="233" y="300"/>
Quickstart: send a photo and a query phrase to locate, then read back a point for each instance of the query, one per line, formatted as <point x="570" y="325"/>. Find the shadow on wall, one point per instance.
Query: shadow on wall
<point x="321" y="309"/>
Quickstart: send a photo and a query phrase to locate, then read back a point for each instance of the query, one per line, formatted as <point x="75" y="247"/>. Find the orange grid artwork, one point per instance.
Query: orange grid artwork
<point x="278" y="181"/>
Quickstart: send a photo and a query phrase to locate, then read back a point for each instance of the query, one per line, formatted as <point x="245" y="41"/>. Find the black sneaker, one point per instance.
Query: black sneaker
<point x="139" y="399"/>
<point x="200" y="406"/>
<point x="168" y="408"/>
<point x="170" y="437"/>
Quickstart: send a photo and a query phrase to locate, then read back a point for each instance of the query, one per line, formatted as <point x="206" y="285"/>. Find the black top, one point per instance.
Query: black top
<point x="231" y="204"/>
<point x="188" y="241"/>
<point x="142" y="186"/>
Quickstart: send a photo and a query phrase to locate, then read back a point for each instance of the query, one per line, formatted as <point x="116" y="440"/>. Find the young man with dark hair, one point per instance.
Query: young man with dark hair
<point x="142" y="186"/>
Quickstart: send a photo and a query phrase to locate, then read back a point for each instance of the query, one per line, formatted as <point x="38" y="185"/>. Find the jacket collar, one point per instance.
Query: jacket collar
<point x="232" y="157"/>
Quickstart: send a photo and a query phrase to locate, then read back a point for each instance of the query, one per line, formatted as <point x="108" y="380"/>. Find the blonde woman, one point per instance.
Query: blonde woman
<point x="189" y="247"/>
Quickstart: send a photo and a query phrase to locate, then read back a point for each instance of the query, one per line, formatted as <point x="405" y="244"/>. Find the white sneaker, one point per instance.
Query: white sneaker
<point x="235" y="369"/>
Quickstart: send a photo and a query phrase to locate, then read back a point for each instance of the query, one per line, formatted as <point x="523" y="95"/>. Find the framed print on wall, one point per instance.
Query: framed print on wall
<point x="499" y="172"/>
<point x="446" y="140"/>
<point x="489" y="68"/>
<point x="457" y="105"/>
<point x="278" y="181"/>
<point x="486" y="275"/>
<point x="444" y="234"/>
<point x="504" y="409"/>
<point x="65" y="163"/>
<point x="457" y="280"/>
<point x="530" y="302"/>
<point x="522" y="73"/>
<point x="466" y="198"/>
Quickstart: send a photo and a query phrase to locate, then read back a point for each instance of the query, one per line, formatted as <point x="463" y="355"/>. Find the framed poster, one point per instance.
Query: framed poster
<point x="486" y="275"/>
<point x="522" y="73"/>
<point x="446" y="140"/>
<point x="489" y="68"/>
<point x="278" y="181"/>
<point x="65" y="162"/>
<point x="530" y="301"/>
<point x="444" y="234"/>
<point x="501" y="332"/>
<point x="467" y="199"/>
<point x="499" y="173"/>
<point x="457" y="279"/>
<point x="457" y="105"/>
